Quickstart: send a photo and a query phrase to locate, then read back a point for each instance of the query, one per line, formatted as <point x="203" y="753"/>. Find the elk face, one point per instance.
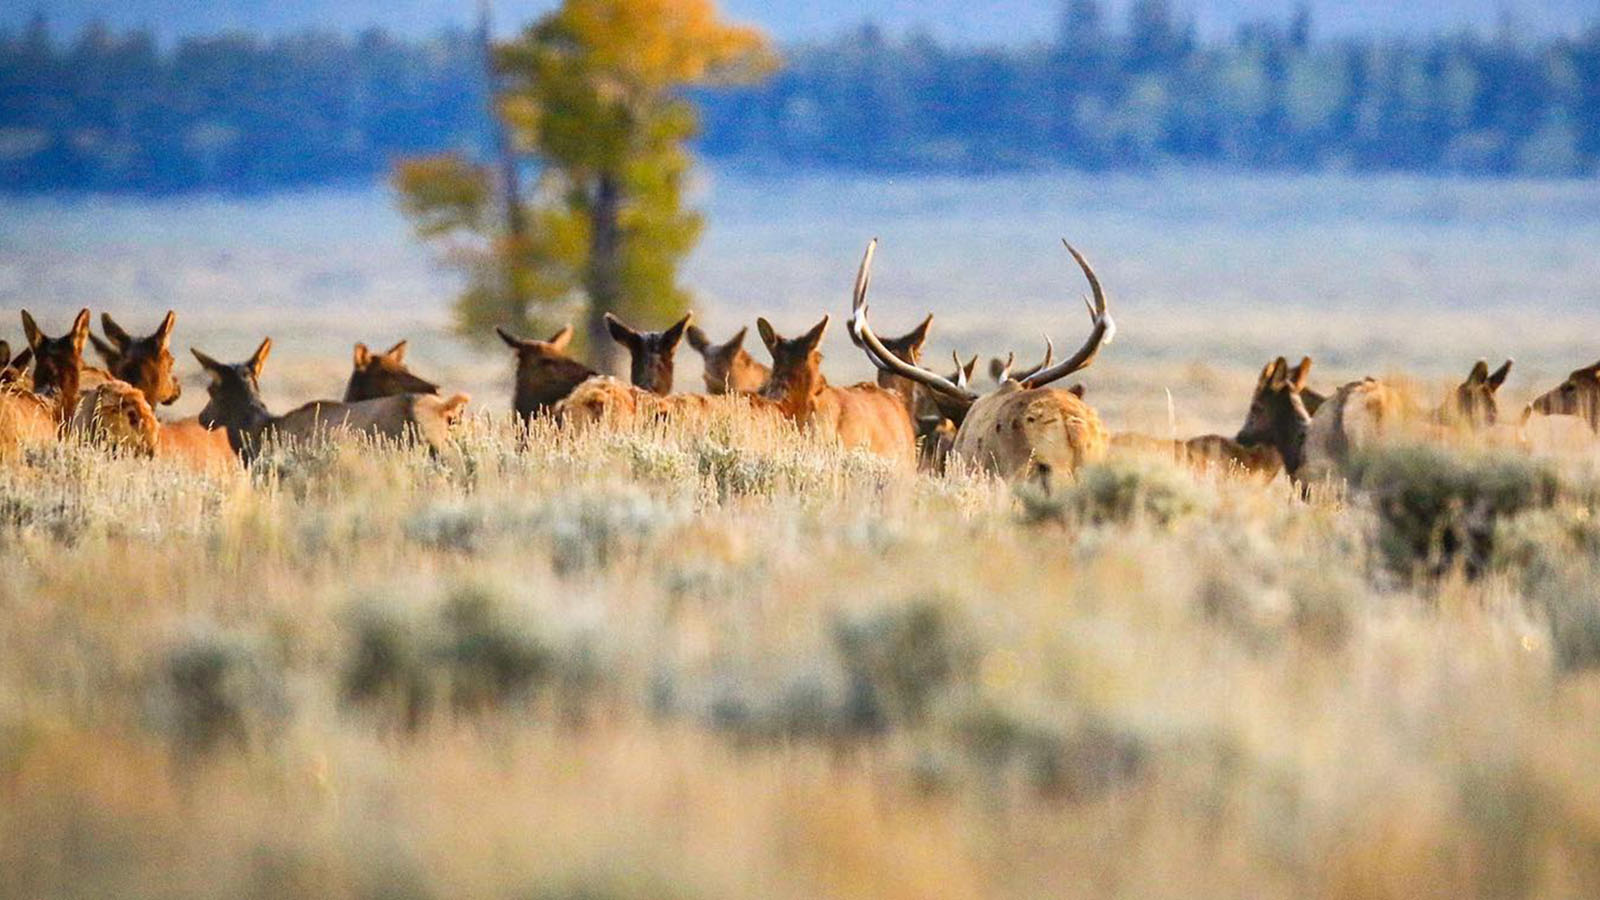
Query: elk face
<point x="375" y="375"/>
<point x="728" y="368"/>
<point x="1579" y="395"/>
<point x="1278" y="417"/>
<point x="56" y="362"/>
<point x="1023" y="429"/>
<point x="234" y="396"/>
<point x="1473" y="402"/>
<point x="146" y="363"/>
<point x="796" y="367"/>
<point x="651" y="352"/>
<point x="906" y="347"/>
<point x="545" y="373"/>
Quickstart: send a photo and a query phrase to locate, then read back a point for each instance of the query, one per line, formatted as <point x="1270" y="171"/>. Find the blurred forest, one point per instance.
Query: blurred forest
<point x="119" y="111"/>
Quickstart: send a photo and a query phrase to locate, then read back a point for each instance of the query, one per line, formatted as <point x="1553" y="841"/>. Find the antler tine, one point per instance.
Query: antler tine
<point x="861" y="333"/>
<point x="1104" y="330"/>
<point x="1049" y="356"/>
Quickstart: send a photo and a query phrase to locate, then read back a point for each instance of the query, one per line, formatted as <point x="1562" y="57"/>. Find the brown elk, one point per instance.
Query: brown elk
<point x="56" y="363"/>
<point x="375" y="375"/>
<point x="862" y="415"/>
<point x="14" y="369"/>
<point x="1578" y="395"/>
<point x="1472" y="404"/>
<point x="234" y="403"/>
<point x="729" y="369"/>
<point x="146" y="363"/>
<point x="603" y="399"/>
<point x="26" y="419"/>
<point x="1024" y="428"/>
<point x="651" y="352"/>
<point x="545" y="373"/>
<point x="118" y="415"/>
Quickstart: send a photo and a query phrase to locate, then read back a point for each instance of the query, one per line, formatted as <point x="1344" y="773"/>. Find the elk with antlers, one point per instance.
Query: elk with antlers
<point x="1025" y="428"/>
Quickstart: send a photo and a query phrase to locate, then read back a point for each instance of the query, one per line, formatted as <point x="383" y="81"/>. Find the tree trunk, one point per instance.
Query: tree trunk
<point x="603" y="281"/>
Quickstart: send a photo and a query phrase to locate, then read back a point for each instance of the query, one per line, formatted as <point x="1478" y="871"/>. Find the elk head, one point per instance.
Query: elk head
<point x="1278" y="417"/>
<point x="1579" y="395"/>
<point x="651" y="352"/>
<point x="146" y="363"/>
<point x="13" y="370"/>
<point x="907" y="347"/>
<point x="234" y="396"/>
<point x="56" y="362"/>
<point x="545" y="373"/>
<point x="374" y="375"/>
<point x="796" y="367"/>
<point x="1473" y="402"/>
<point x="728" y="368"/>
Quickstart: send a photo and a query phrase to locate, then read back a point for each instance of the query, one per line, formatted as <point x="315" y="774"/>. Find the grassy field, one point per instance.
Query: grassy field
<point x="740" y="662"/>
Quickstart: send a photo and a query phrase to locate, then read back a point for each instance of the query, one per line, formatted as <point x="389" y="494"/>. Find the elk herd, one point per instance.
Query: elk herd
<point x="1027" y="426"/>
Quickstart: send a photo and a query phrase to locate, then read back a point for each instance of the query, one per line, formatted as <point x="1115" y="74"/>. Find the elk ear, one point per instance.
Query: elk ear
<point x="919" y="336"/>
<point x="259" y="358"/>
<point x="397" y="353"/>
<point x="1077" y="390"/>
<point x="813" y="338"/>
<point x="970" y="367"/>
<point x="1300" y="375"/>
<point x="561" y="339"/>
<point x="115" y="332"/>
<point x="1499" y="376"/>
<point x="1479" y="373"/>
<point x="210" y="365"/>
<point x="697" y="339"/>
<point x="80" y="331"/>
<point x="5" y="356"/>
<point x="31" y="330"/>
<point x="621" y="333"/>
<point x="671" y="337"/>
<point x="362" y="357"/>
<point x="737" y="341"/>
<point x="110" y="354"/>
<point x="511" y="340"/>
<point x="997" y="368"/>
<point x="164" y="331"/>
<point x="764" y="328"/>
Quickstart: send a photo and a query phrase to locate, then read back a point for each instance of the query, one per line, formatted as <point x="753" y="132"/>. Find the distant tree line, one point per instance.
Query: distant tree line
<point x="117" y="112"/>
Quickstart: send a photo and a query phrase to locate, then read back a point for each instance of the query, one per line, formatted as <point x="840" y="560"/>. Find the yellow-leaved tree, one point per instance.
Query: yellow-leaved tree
<point x="592" y="98"/>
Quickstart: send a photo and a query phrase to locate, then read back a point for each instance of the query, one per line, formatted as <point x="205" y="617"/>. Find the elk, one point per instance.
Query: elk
<point x="1472" y="404"/>
<point x="1025" y="428"/>
<point x="1578" y="395"/>
<point x="14" y="369"/>
<point x="56" y="363"/>
<point x="651" y="352"/>
<point x="728" y="367"/>
<point x="1316" y="447"/>
<point x="545" y="373"/>
<point x="26" y="419"/>
<point x="234" y="404"/>
<point x="146" y="363"/>
<point x="375" y="375"/>
<point x="862" y="415"/>
<point x="118" y="415"/>
<point x="606" y="399"/>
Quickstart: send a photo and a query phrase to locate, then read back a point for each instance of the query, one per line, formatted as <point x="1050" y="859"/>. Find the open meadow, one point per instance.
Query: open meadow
<point x="734" y="660"/>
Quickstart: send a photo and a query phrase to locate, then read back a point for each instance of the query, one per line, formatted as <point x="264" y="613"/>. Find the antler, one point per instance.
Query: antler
<point x="861" y="334"/>
<point x="1104" y="330"/>
<point x="1025" y="374"/>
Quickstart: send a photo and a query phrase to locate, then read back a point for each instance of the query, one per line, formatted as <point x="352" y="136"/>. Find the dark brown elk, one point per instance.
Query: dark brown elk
<point x="56" y="363"/>
<point x="1278" y="417"/>
<point x="545" y="373"/>
<point x="729" y="369"/>
<point x="375" y="375"/>
<point x="146" y="363"/>
<point x="1472" y="404"/>
<point x="1578" y="395"/>
<point x="907" y="348"/>
<point x="862" y="415"/>
<point x="1024" y="428"/>
<point x="650" y="353"/>
<point x="234" y="403"/>
<point x="14" y="369"/>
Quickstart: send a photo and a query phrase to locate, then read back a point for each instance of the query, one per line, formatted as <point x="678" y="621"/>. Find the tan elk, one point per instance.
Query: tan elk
<point x="117" y="414"/>
<point x="1472" y="405"/>
<point x="375" y="375"/>
<point x="1025" y="428"/>
<point x="26" y="419"/>
<point x="1578" y="396"/>
<point x="650" y="352"/>
<point x="545" y="373"/>
<point x="729" y="369"/>
<point x="862" y="415"/>
<point x="603" y="399"/>
<point x="234" y="403"/>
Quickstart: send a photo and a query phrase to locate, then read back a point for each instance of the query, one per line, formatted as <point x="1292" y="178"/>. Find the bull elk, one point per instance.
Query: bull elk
<point x="729" y="369"/>
<point x="376" y="375"/>
<point x="862" y="415"/>
<point x="545" y="373"/>
<point x="650" y="353"/>
<point x="234" y="403"/>
<point x="1025" y="428"/>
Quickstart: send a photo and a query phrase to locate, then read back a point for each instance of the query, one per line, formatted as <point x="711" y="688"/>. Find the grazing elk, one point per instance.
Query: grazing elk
<point x="606" y="399"/>
<point x="651" y="352"/>
<point x="862" y="415"/>
<point x="1578" y="395"/>
<point x="56" y="363"/>
<point x="234" y="403"/>
<point x="729" y="369"/>
<point x="146" y="363"/>
<point x="545" y="373"/>
<point x="375" y="375"/>
<point x="1024" y="428"/>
